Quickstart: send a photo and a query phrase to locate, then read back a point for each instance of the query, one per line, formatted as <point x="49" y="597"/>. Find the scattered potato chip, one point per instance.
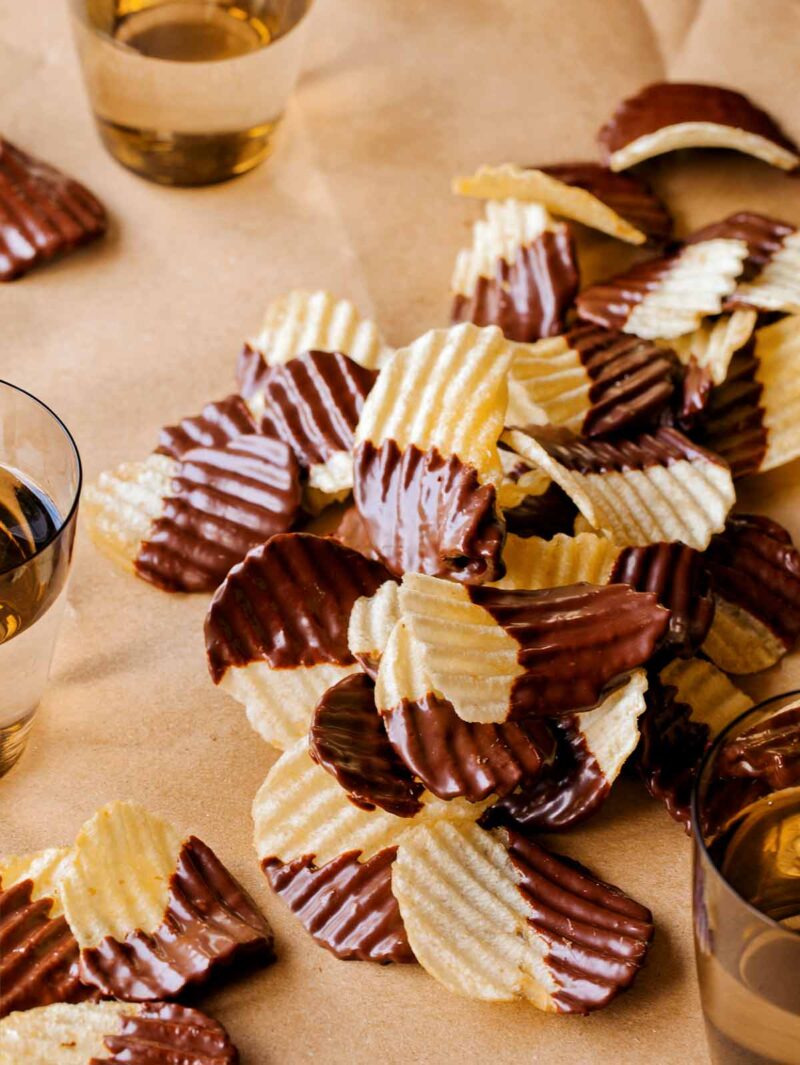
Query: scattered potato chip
<point x="715" y="341"/>
<point x="93" y="1032"/>
<point x="669" y="296"/>
<point x="276" y="630"/>
<point x="520" y="479"/>
<point x="154" y="914"/>
<point x="44" y="869"/>
<point x="667" y="116"/>
<point x="372" y="620"/>
<point x="316" y="321"/>
<point x="536" y="563"/>
<point x="621" y="206"/>
<point x="658" y="487"/>
<point x="492" y="915"/>
<point x="520" y="272"/>
<point x="216" y="425"/>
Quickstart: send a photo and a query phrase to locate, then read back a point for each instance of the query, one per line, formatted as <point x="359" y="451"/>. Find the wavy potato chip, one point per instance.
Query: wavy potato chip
<point x="44" y="869"/>
<point x="715" y="341"/>
<point x="372" y="620"/>
<point x="532" y="562"/>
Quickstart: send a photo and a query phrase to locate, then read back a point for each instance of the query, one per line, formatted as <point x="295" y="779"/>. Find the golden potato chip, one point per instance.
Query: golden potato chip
<point x="372" y="620"/>
<point x="777" y="351"/>
<point x="44" y="869"/>
<point x="715" y="341"/>
<point x="659" y="487"/>
<point x="520" y="480"/>
<point x="715" y="700"/>
<point x="777" y="285"/>
<point x="535" y="563"/>
<point x="493" y="916"/>
<point x="316" y="321"/>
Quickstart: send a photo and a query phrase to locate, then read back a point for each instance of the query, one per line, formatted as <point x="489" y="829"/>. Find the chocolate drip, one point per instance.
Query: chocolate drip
<point x="313" y="402"/>
<point x="43" y="213"/>
<point x="629" y="196"/>
<point x="346" y="905"/>
<point x="670" y="103"/>
<point x="210" y="923"/>
<point x="217" y="423"/>
<point x="38" y="953"/>
<point x="224" y="502"/>
<point x="425" y="513"/>
<point x="754" y="565"/>
<point x="597" y="937"/>
<point x="763" y="236"/>
<point x="696" y="391"/>
<point x="251" y="372"/>
<point x="544" y="515"/>
<point x="348" y="739"/>
<point x="632" y="380"/>
<point x="733" y="425"/>
<point x="663" y="447"/>
<point x="167" y="1034"/>
<point x="454" y="757"/>
<point x="529" y="298"/>
<point x="676" y="574"/>
<point x="576" y="643"/>
<point x="289" y="604"/>
<point x="564" y="794"/>
<point x="610" y="303"/>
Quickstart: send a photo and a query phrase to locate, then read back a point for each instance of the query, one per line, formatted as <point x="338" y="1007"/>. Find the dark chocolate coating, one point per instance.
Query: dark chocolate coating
<point x="544" y="515"/>
<point x="346" y="905"/>
<point x="224" y="501"/>
<point x="764" y="237"/>
<point x="528" y="298"/>
<point x="216" y="424"/>
<point x="576" y="643"/>
<point x="43" y="213"/>
<point x="163" y="1033"/>
<point x="38" y="953"/>
<point x="210" y="923"/>
<point x="768" y="752"/>
<point x="453" y="757"/>
<point x="251" y="371"/>
<point x="425" y="513"/>
<point x="313" y="402"/>
<point x="610" y="303"/>
<point x="678" y="577"/>
<point x="733" y="421"/>
<point x="597" y="937"/>
<point x="629" y="196"/>
<point x="669" y="103"/>
<point x="348" y="739"/>
<point x="289" y="604"/>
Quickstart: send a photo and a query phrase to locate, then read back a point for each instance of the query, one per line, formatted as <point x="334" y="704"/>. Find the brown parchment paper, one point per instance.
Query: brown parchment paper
<point x="397" y="96"/>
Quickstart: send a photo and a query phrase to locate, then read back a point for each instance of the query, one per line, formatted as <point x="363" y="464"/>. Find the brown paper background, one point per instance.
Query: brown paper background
<point x="397" y="96"/>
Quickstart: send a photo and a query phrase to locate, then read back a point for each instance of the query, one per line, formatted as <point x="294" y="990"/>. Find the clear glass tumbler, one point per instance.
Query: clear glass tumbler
<point x="746" y="829"/>
<point x="40" y="483"/>
<point x="189" y="92"/>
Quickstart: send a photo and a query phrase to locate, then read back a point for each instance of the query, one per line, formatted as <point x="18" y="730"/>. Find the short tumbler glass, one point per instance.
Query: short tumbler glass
<point x="40" y="482"/>
<point x="748" y="963"/>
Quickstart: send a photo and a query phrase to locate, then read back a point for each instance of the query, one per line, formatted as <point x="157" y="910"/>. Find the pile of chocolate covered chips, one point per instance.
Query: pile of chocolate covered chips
<point x="461" y="584"/>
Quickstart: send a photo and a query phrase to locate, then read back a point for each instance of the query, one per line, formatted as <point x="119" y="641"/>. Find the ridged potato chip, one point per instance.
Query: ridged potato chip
<point x="44" y="869"/>
<point x="714" y="698"/>
<point x="715" y="341"/>
<point x="372" y="620"/>
<point x="535" y="563"/>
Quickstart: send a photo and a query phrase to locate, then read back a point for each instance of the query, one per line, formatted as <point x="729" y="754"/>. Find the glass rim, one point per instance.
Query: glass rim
<point x="697" y="835"/>
<point x="70" y="439"/>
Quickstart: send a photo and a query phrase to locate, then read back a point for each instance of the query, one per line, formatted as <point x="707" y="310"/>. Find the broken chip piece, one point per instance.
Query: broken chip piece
<point x="666" y="297"/>
<point x="667" y="116"/>
<point x="498" y="655"/>
<point x="713" y="344"/>
<point x="316" y="321"/>
<point x="181" y="524"/>
<point x="153" y="913"/>
<point x="591" y="750"/>
<point x="276" y="630"/>
<point x="755" y="576"/>
<point x="597" y="382"/>
<point x="43" y="213"/>
<point x="617" y="204"/>
<point x="520" y="272"/>
<point x="159" y="1033"/>
<point x="426" y="457"/>
<point x="657" y="487"/>
<point x="492" y="915"/>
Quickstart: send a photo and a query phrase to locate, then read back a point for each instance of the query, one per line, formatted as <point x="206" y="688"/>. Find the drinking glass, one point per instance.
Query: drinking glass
<point x="189" y="92"/>
<point x="746" y="831"/>
<point x="40" y="482"/>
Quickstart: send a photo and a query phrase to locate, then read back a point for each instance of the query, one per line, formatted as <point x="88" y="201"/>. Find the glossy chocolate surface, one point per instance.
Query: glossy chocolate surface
<point x="733" y="422"/>
<point x="669" y="103"/>
<point x="251" y="371"/>
<point x="528" y="298"/>
<point x="348" y="739"/>
<point x="596" y="936"/>
<point x="767" y="752"/>
<point x="216" y="424"/>
<point x="224" y="501"/>
<point x="289" y="604"/>
<point x="425" y="513"/>
<point x="43" y="213"/>
<point x="576" y="643"/>
<point x="544" y="515"/>
<point x="453" y="757"/>
<point x="346" y="905"/>
<point x="165" y="1033"/>
<point x="38" y="953"/>
<point x="764" y="238"/>
<point x="210" y="923"/>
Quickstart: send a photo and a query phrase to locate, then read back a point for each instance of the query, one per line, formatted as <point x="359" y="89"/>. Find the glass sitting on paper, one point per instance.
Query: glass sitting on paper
<point x="746" y="828"/>
<point x="189" y="92"/>
<point x="40" y="479"/>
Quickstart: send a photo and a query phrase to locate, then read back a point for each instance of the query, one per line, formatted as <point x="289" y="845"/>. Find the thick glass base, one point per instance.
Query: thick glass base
<point x="12" y="742"/>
